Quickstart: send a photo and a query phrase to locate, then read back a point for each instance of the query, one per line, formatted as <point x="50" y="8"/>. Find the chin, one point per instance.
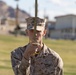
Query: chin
<point x="37" y="40"/>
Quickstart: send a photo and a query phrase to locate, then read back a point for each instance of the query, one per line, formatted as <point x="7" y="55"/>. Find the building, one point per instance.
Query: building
<point x="50" y="26"/>
<point x="65" y="27"/>
<point x="9" y="24"/>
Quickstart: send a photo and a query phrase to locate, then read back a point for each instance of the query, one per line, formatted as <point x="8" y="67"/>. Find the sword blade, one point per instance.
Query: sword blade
<point x="35" y="22"/>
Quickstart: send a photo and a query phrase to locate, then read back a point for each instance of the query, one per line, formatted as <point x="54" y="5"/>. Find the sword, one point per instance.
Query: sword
<point x="35" y="23"/>
<point x="35" y="26"/>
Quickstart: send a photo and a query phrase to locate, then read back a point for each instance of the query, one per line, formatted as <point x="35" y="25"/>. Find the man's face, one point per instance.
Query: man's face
<point x="39" y="35"/>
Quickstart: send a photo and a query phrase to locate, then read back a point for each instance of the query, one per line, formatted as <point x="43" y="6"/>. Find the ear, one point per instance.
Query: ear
<point x="44" y="32"/>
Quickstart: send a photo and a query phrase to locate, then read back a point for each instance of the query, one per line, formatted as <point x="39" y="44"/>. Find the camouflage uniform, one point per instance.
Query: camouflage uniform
<point x="47" y="62"/>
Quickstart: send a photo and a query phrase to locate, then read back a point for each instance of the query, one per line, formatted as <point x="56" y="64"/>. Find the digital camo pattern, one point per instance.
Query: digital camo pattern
<point x="48" y="62"/>
<point x="31" y="20"/>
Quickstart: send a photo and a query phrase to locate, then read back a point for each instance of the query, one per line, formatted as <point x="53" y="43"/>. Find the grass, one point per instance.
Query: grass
<point x="65" y="48"/>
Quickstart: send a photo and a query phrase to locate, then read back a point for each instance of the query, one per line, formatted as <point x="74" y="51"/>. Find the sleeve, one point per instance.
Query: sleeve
<point x="59" y="68"/>
<point x="59" y="63"/>
<point x="19" y="65"/>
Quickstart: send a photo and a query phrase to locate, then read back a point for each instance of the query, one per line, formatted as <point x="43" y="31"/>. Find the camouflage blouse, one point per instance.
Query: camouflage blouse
<point x="48" y="62"/>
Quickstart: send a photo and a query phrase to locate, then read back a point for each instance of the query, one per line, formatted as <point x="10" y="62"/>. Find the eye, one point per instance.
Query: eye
<point x="38" y="31"/>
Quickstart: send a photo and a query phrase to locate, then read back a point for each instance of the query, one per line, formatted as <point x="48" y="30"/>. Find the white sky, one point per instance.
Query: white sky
<point x="51" y="8"/>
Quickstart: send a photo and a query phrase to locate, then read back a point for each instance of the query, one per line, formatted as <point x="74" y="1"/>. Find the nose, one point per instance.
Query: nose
<point x="36" y="34"/>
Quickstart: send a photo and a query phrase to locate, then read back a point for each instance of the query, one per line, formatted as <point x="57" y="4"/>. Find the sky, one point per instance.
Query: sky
<point x="50" y="8"/>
